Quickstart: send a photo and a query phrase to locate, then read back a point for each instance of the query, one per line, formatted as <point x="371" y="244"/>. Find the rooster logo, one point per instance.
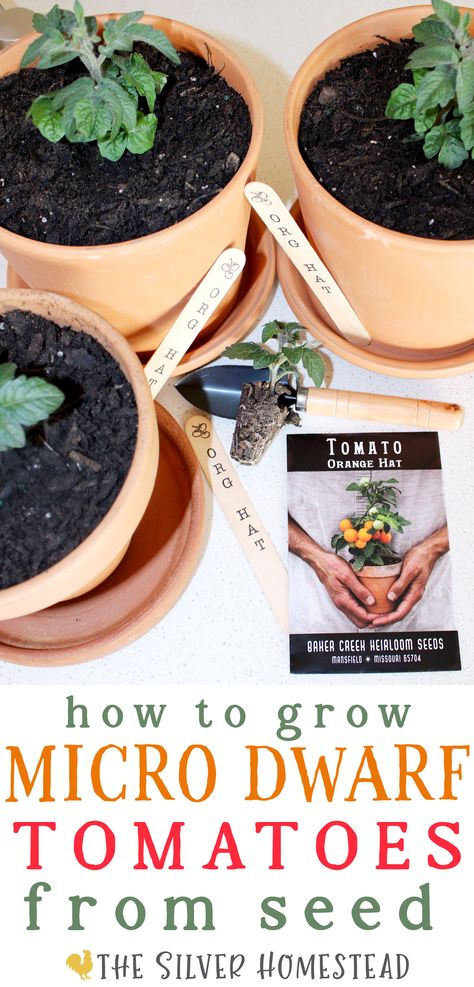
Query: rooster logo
<point x="81" y="967"/>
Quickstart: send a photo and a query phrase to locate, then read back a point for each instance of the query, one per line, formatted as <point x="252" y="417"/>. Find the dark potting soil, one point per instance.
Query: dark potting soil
<point x="56" y="489"/>
<point x="360" y="156"/>
<point x="68" y="194"/>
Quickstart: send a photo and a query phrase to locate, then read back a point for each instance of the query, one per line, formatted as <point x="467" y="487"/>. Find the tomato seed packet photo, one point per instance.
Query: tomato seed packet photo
<point x="369" y="564"/>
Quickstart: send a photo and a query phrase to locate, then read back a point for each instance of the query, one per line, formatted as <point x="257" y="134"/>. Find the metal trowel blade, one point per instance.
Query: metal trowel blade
<point x="216" y="390"/>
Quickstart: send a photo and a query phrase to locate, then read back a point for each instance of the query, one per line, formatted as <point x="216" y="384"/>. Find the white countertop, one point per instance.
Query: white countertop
<point x="222" y="630"/>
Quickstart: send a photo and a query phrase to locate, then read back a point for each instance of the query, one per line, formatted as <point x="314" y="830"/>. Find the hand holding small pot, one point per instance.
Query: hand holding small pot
<point x="340" y="582"/>
<point x="416" y="570"/>
<point x="344" y="588"/>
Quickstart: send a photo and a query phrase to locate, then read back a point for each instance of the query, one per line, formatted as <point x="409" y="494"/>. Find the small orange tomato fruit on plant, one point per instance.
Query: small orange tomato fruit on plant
<point x="350" y="535"/>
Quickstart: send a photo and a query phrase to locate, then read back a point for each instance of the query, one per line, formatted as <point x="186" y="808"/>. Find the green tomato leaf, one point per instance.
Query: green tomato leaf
<point x="49" y="23"/>
<point x="41" y="23"/>
<point x="73" y="136"/>
<point x="51" y="49"/>
<point x="91" y="26"/>
<point x="447" y="13"/>
<point x="112" y="67"/>
<point x="452" y="153"/>
<point x="418" y="75"/>
<point x="7" y="371"/>
<point x="27" y="400"/>
<point x="128" y="86"/>
<point x="84" y="117"/>
<point x="113" y="147"/>
<point x="314" y="366"/>
<point x="430" y="56"/>
<point x="465" y="85"/>
<point x="56" y="57"/>
<point x="139" y="75"/>
<point x="120" y="102"/>
<point x="54" y="43"/>
<point x="160" y="80"/>
<point x="271" y="330"/>
<point x="155" y="38"/>
<point x="142" y="137"/>
<point x="453" y="127"/>
<point x="294" y="353"/>
<point x="123" y="23"/>
<point x="467" y="129"/>
<point x="48" y="120"/>
<point x="53" y="16"/>
<point x="32" y="52"/>
<point x="425" y="121"/>
<point x="79" y="12"/>
<point x="103" y="122"/>
<point x="436" y="89"/>
<point x="12" y="435"/>
<point x="68" y="23"/>
<point x="431" y="29"/>
<point x="242" y="351"/>
<point x="264" y="359"/>
<point x="402" y="102"/>
<point x="116" y="32"/>
<point x="81" y="88"/>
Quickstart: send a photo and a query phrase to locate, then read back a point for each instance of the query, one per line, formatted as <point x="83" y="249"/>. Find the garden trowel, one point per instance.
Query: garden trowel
<point x="217" y="391"/>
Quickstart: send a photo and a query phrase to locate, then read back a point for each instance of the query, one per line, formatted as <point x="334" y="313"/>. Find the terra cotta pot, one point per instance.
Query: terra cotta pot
<point x="145" y="282"/>
<point x="410" y="292"/>
<point x="379" y="579"/>
<point x="96" y="557"/>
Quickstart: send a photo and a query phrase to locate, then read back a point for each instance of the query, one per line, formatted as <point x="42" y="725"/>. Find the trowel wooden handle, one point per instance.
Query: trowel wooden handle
<point x="383" y="408"/>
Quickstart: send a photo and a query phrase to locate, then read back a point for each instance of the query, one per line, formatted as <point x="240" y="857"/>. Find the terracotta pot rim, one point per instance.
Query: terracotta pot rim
<point x="415" y="242"/>
<point x="118" y="347"/>
<point x="256" y="115"/>
<point x="381" y="571"/>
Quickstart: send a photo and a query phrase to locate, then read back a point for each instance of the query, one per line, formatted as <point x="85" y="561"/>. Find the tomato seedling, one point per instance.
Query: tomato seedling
<point x="114" y="104"/>
<point x="440" y="100"/>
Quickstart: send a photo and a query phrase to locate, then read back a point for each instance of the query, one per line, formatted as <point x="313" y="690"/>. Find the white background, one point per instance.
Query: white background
<point x="221" y="630"/>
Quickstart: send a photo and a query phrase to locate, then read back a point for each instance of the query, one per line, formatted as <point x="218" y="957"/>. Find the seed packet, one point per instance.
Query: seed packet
<point x="369" y="559"/>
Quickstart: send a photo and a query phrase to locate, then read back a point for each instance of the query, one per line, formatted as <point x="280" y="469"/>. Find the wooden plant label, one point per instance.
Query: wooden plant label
<point x="297" y="247"/>
<point x="196" y="313"/>
<point x="241" y="515"/>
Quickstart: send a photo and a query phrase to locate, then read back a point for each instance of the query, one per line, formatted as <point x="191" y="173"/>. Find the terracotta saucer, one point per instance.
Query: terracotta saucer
<point x="255" y="286"/>
<point x="162" y="557"/>
<point x="381" y="359"/>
